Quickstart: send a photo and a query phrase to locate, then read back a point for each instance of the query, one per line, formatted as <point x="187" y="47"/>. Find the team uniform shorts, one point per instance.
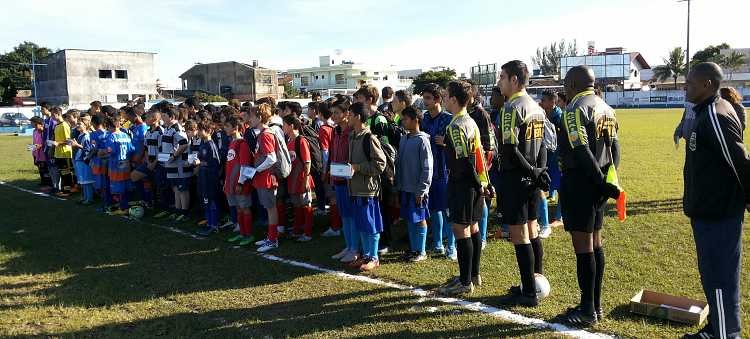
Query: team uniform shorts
<point x="519" y="198"/>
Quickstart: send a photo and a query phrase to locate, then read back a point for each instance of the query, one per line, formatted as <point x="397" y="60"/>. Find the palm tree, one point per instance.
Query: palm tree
<point x="674" y="66"/>
<point x="732" y="62"/>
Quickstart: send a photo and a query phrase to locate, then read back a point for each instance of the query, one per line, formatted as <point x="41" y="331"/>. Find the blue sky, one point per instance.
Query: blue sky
<point x="408" y="34"/>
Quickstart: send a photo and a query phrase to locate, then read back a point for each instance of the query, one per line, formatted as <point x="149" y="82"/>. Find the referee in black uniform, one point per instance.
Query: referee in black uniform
<point x="588" y="146"/>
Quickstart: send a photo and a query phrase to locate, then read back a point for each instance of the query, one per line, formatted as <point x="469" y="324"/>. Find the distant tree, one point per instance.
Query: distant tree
<point x="710" y="53"/>
<point x="674" y="66"/>
<point x="441" y="78"/>
<point x="205" y="97"/>
<point x="547" y="58"/>
<point x="732" y="61"/>
<point x="290" y="91"/>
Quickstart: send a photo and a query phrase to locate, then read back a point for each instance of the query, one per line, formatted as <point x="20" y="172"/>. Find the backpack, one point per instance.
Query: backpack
<point x="389" y="172"/>
<point x="283" y="165"/>
<point x="550" y="135"/>
<point x="316" y="156"/>
<point x="390" y="130"/>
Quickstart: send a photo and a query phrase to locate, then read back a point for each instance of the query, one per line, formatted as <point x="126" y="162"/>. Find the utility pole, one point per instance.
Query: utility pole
<point x="687" y="52"/>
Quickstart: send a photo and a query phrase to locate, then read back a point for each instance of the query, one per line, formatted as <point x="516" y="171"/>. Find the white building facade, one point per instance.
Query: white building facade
<point x="614" y="67"/>
<point x="338" y="76"/>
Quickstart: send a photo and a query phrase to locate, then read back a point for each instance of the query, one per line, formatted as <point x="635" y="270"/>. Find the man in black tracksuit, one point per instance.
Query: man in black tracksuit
<point x="716" y="175"/>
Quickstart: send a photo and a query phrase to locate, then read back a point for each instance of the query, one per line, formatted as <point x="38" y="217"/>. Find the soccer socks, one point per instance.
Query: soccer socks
<point x="543" y="213"/>
<point x="335" y="218"/>
<point x="299" y="219"/>
<point x="536" y="245"/>
<point x="585" y="267"/>
<point x="246" y="223"/>
<point x="350" y="234"/>
<point x="307" y="212"/>
<point x="233" y="214"/>
<point x="420" y="232"/>
<point x="483" y="220"/>
<point x="88" y="192"/>
<point x="476" y="242"/>
<point x="436" y="223"/>
<point x="212" y="214"/>
<point x="465" y="253"/>
<point x="450" y="241"/>
<point x="598" y="276"/>
<point x="412" y="230"/>
<point x="281" y="214"/>
<point x="273" y="232"/>
<point x="373" y="240"/>
<point x="525" y="259"/>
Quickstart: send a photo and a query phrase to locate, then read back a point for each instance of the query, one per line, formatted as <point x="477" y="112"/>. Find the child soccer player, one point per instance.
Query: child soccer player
<point x="299" y="182"/>
<point x="174" y="143"/>
<point x="100" y="160"/>
<point x="82" y="147"/>
<point x="413" y="178"/>
<point x="368" y="162"/>
<point x="149" y="170"/>
<point x="63" y="151"/>
<point x="138" y="130"/>
<point x="208" y="165"/>
<point x="434" y="122"/>
<point x="120" y="149"/>
<point x="237" y="185"/>
<point x="265" y="181"/>
<point x="325" y="133"/>
<point x="339" y="154"/>
<point x="37" y="152"/>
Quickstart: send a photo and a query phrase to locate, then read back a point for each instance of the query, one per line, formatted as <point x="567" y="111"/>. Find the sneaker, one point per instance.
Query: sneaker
<point x="556" y="223"/>
<point x="261" y="242"/>
<point x="458" y="289"/>
<point x="319" y="213"/>
<point x="304" y="238"/>
<point x="202" y="222"/>
<point x="270" y="245"/>
<point x="118" y="213"/>
<point x="174" y="216"/>
<point x="546" y="232"/>
<point x="181" y="218"/>
<point x="383" y="251"/>
<point x="87" y="203"/>
<point x="370" y="265"/>
<point x="280" y="229"/>
<point x="236" y="228"/>
<point x="477" y="281"/>
<point x="357" y="263"/>
<point x="706" y="332"/>
<point x="599" y="314"/>
<point x="62" y="194"/>
<point x="520" y="299"/>
<point x="246" y="241"/>
<point x="484" y="244"/>
<point x="450" y="283"/>
<point x="340" y="254"/>
<point x="417" y="257"/>
<point x="438" y="251"/>
<point x="331" y="233"/>
<point x="407" y="256"/>
<point x="206" y="231"/>
<point x="296" y="235"/>
<point x="235" y="238"/>
<point x="576" y="316"/>
<point x="350" y="257"/>
<point x="450" y="253"/>
<point x="161" y="214"/>
<point x="226" y="225"/>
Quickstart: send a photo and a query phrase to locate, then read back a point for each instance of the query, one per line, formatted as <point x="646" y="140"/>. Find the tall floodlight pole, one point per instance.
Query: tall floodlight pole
<point x="687" y="52"/>
<point x="33" y="79"/>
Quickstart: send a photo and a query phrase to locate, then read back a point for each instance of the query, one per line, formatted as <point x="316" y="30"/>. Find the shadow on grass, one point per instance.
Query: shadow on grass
<point x="385" y="313"/>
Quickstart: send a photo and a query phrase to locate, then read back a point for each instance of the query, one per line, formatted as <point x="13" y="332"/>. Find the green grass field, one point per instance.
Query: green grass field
<point x="67" y="271"/>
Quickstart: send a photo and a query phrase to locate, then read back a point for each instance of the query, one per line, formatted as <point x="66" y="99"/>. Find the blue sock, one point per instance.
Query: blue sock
<point x="421" y="233"/>
<point x="354" y="240"/>
<point x="543" y="217"/>
<point x="365" y="244"/>
<point x="436" y="223"/>
<point x="558" y="210"/>
<point x="450" y="242"/>
<point x="213" y="214"/>
<point x="483" y="221"/>
<point x="411" y="228"/>
<point x="373" y="239"/>
<point x="88" y="192"/>
<point x="233" y="214"/>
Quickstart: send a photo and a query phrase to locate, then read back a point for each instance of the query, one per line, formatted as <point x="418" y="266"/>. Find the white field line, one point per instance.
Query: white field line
<point x="472" y="306"/>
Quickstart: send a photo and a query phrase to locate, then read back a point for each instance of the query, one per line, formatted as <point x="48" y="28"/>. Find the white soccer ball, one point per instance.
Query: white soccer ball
<point x="543" y="287"/>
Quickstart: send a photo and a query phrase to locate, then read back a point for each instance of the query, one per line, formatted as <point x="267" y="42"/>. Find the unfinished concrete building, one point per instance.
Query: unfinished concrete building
<point x="232" y="80"/>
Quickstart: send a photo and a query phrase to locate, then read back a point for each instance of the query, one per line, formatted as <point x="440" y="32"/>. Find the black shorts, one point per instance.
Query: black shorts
<point x="582" y="210"/>
<point x="464" y="202"/>
<point x="519" y="200"/>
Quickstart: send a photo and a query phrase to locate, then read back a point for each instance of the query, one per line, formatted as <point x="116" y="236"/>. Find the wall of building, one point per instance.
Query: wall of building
<point x="52" y="81"/>
<point x="350" y="74"/>
<point x="84" y="84"/>
<point x="246" y="83"/>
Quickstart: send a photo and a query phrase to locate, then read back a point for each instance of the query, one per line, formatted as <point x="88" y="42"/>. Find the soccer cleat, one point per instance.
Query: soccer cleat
<point x="87" y="203"/>
<point x="383" y="251"/>
<point x="457" y="289"/>
<point x="450" y="253"/>
<point x="280" y="228"/>
<point x="246" y="241"/>
<point x="161" y="214"/>
<point x="576" y="316"/>
<point x="270" y="245"/>
<point x="303" y="238"/>
<point x="261" y="242"/>
<point x="226" y="225"/>
<point x="235" y="238"/>
<point x="706" y="332"/>
<point x="546" y="232"/>
<point x="599" y="314"/>
<point x="295" y="235"/>
<point x="449" y="284"/>
<point x="438" y="251"/>
<point x="174" y="216"/>
<point x="357" y="263"/>
<point x="118" y="213"/>
<point x="484" y="244"/>
<point x="520" y="299"/>
<point x="417" y="257"/>
<point x="370" y="265"/>
<point x="407" y="256"/>
<point x="556" y="223"/>
<point x="202" y="222"/>
<point x="62" y="194"/>
<point x="181" y="218"/>
<point x="236" y="228"/>
<point x="477" y="281"/>
<point x="206" y="231"/>
<point x="350" y="257"/>
<point x="331" y="233"/>
<point x="340" y="254"/>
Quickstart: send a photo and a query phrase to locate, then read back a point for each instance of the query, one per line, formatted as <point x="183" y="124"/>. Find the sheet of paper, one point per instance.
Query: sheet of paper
<point x="30" y="147"/>
<point x="51" y="143"/>
<point x="162" y="157"/>
<point x="341" y="170"/>
<point x="192" y="158"/>
<point x="248" y="172"/>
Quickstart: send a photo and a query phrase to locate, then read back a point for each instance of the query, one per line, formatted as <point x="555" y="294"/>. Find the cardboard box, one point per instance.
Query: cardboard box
<point x="668" y="307"/>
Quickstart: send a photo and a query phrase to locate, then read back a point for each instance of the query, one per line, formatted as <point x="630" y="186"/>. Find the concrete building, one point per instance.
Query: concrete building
<point x="233" y="80"/>
<point x="77" y="76"/>
<point x="335" y="75"/>
<point x="413" y="73"/>
<point x="614" y="68"/>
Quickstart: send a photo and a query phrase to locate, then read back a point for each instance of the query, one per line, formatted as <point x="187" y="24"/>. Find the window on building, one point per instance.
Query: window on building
<point x="376" y="79"/>
<point x="340" y="80"/>
<point x="267" y="80"/>
<point x="121" y="74"/>
<point x="296" y="75"/>
<point x="376" y="73"/>
<point x="305" y="81"/>
<point x="363" y="73"/>
<point x="316" y="77"/>
<point x="122" y="98"/>
<point x="385" y="78"/>
<point x="105" y="74"/>
<point x="322" y="76"/>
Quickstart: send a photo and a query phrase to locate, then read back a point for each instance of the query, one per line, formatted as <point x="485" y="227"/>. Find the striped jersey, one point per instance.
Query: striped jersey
<point x="174" y="136"/>
<point x="151" y="142"/>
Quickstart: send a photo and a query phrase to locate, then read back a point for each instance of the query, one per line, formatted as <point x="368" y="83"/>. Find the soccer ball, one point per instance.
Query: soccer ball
<point x="136" y="212"/>
<point x="542" y="286"/>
